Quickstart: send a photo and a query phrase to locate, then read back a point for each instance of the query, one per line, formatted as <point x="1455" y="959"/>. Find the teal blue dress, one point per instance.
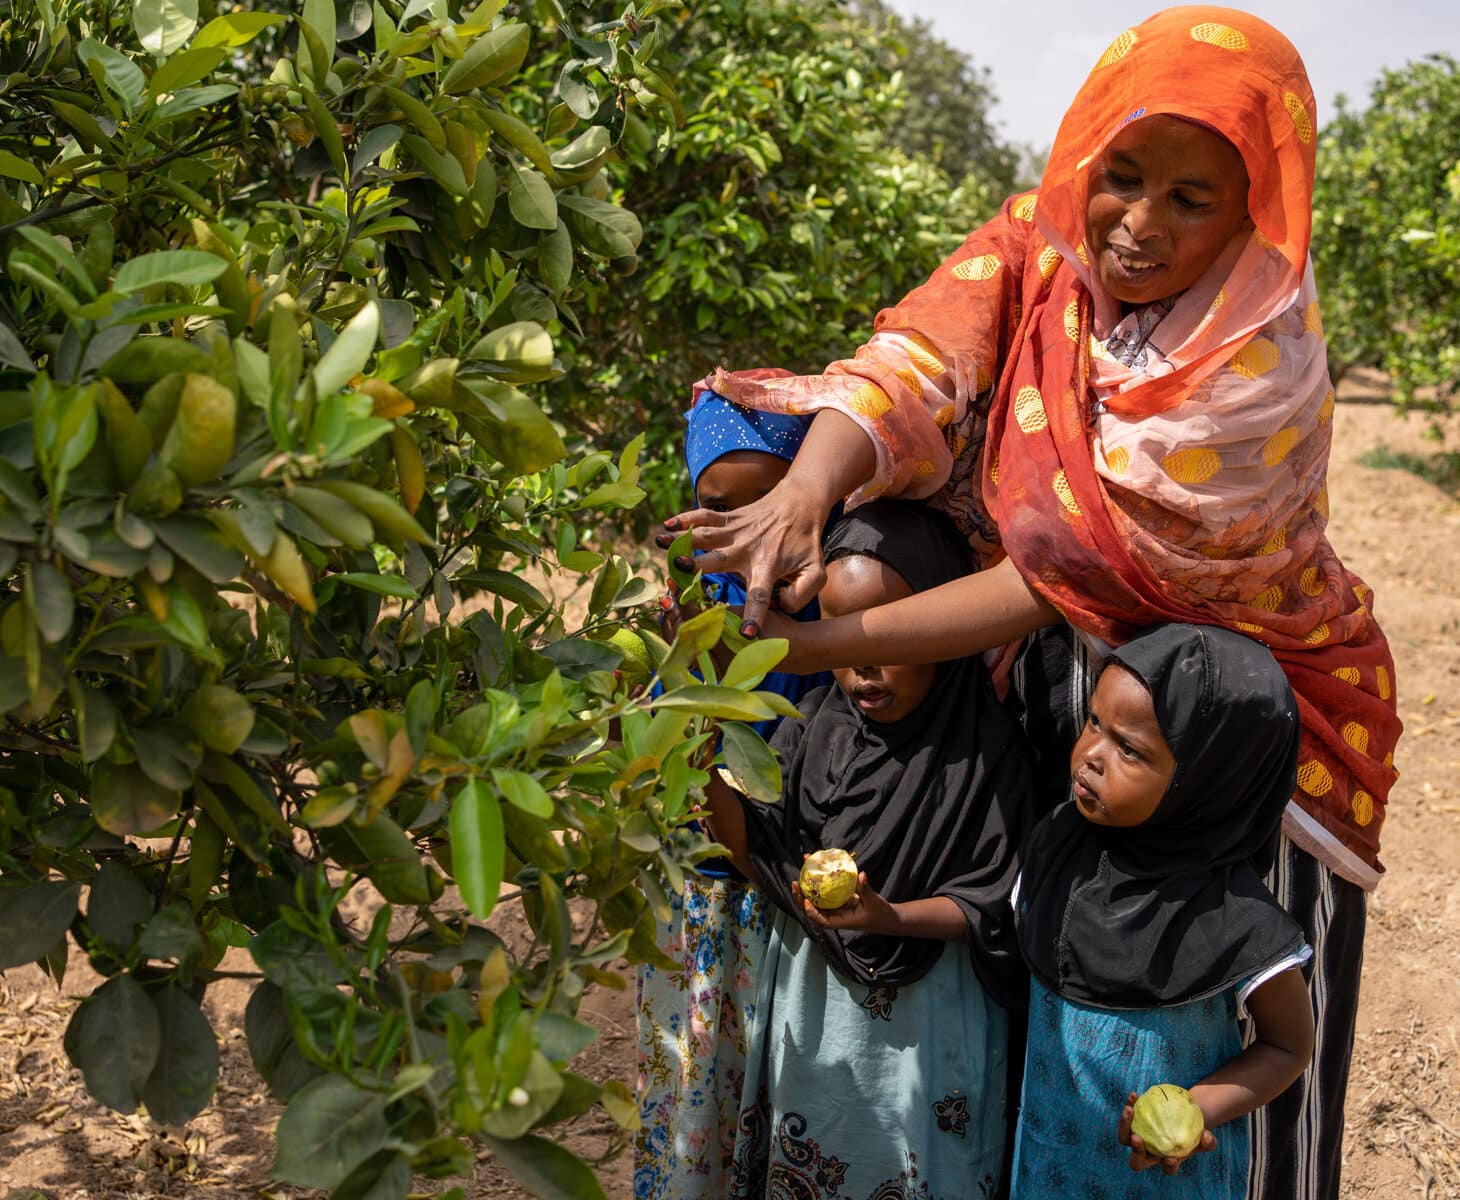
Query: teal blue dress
<point x="857" y="1093"/>
<point x="1081" y="1063"/>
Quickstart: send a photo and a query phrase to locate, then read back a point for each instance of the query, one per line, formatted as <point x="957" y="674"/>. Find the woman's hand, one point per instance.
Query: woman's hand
<point x="776" y="540"/>
<point x="866" y="910"/>
<point x="1141" y="1158"/>
<point x="774" y="544"/>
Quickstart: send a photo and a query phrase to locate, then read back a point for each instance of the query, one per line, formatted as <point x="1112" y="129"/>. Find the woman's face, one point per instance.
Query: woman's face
<point x="1121" y="765"/>
<point x="1166" y="197"/>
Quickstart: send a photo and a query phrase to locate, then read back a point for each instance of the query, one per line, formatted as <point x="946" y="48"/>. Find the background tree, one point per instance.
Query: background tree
<point x="1386" y="235"/>
<point x="944" y="117"/>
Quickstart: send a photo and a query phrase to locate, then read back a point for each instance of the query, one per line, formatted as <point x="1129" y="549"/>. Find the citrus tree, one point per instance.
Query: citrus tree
<point x="1386" y="233"/>
<point x="283" y="528"/>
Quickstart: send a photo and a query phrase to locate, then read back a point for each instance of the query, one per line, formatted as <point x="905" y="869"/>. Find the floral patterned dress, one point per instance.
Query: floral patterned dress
<point x="856" y="1093"/>
<point x="692" y="1034"/>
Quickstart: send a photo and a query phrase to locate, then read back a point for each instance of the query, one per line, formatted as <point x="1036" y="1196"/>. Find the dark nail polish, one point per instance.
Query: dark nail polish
<point x="684" y="564"/>
<point x="749" y="629"/>
<point x="663" y="541"/>
<point x="666" y="602"/>
<point x="672" y="523"/>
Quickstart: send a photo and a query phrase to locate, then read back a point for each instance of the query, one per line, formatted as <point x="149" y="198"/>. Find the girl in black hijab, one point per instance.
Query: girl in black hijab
<point x="880" y="1041"/>
<point x="1142" y="913"/>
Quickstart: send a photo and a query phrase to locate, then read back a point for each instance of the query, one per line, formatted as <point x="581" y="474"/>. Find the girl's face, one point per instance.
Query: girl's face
<point x="884" y="694"/>
<point x="1166" y="197"/>
<point x="1121" y="765"/>
<point x="739" y="478"/>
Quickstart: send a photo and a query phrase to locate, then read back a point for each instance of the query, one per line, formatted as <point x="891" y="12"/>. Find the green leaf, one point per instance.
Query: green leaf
<point x="319" y="15"/>
<point x="33" y="918"/>
<point x="521" y="350"/>
<point x="530" y="198"/>
<point x="12" y="353"/>
<point x="118" y="907"/>
<point x="115" y="70"/>
<point x="384" y="1176"/>
<point x="443" y="168"/>
<point x="524" y="791"/>
<point x="189" y="268"/>
<point x="125" y="801"/>
<point x="172" y="935"/>
<point x="719" y="703"/>
<point x="117" y="1042"/>
<point x="293" y="960"/>
<point x="187" y="68"/>
<point x="380" y="585"/>
<point x="349" y="352"/>
<point x="235" y="29"/>
<point x="183" y="1078"/>
<point x="195" y="541"/>
<point x="164" y="25"/>
<point x="15" y="167"/>
<point x="546" y="1169"/>
<point x="168" y="753"/>
<point x="508" y="586"/>
<point x="271" y="1043"/>
<point x="751" y="763"/>
<point x="602" y="228"/>
<point x="492" y="59"/>
<point x="748" y="668"/>
<point x="477" y="847"/>
<point x="96" y="718"/>
<point x="328" y="130"/>
<point x="220" y="717"/>
<point x="330" y="1128"/>
<point x="517" y="433"/>
<point x="49" y="598"/>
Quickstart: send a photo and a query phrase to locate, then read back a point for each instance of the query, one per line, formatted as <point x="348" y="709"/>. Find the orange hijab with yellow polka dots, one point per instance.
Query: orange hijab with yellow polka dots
<point x="1190" y="489"/>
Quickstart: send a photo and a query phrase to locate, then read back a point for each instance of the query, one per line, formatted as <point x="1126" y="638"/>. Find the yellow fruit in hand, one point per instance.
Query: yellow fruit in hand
<point x="635" y="664"/>
<point x="828" y="878"/>
<point x="1168" y="1121"/>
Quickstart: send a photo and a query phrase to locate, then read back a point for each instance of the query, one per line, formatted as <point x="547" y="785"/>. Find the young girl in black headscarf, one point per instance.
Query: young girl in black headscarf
<point x="1142" y="913"/>
<point x="879" y="1043"/>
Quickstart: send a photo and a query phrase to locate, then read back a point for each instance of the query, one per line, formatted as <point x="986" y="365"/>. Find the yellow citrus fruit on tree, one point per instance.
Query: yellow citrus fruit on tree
<point x="635" y="664"/>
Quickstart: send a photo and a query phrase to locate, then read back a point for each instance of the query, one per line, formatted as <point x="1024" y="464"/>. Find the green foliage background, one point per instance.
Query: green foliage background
<point x="1386" y="231"/>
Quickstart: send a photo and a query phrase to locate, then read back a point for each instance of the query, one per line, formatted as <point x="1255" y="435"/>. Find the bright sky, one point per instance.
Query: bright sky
<point x="1041" y="50"/>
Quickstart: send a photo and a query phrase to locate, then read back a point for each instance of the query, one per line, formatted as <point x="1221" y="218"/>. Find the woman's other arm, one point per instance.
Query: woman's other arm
<point x="968" y="616"/>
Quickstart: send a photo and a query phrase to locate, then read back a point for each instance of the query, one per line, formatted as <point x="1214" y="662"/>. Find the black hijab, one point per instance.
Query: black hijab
<point x="932" y="804"/>
<point x="1174" y="909"/>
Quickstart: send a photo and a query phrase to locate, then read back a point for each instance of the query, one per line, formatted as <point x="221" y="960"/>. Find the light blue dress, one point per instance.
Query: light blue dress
<point x="1080" y="1065"/>
<point x="856" y="1093"/>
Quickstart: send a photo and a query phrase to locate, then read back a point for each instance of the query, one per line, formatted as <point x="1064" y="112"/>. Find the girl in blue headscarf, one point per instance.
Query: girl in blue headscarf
<point x="692" y="1021"/>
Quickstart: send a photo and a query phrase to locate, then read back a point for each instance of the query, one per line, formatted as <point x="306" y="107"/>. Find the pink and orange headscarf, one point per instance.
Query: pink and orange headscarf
<point x="1189" y="489"/>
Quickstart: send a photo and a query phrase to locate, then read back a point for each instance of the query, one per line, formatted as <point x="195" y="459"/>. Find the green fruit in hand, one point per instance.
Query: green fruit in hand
<point x="635" y="664"/>
<point x="828" y="878"/>
<point x="1168" y="1121"/>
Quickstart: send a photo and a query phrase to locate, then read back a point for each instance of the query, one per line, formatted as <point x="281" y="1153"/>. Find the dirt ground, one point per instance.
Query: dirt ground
<point x="1400" y="532"/>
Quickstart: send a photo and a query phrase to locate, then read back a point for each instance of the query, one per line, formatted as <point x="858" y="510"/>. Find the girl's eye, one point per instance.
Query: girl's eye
<point x="1128" y="751"/>
<point x="1124" y="182"/>
<point x="718" y="507"/>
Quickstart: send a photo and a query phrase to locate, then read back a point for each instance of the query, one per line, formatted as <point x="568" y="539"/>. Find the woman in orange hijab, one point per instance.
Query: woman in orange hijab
<point x="1118" y="388"/>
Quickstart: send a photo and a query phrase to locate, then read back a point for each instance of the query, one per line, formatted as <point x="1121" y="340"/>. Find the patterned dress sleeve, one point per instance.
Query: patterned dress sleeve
<point x="921" y="385"/>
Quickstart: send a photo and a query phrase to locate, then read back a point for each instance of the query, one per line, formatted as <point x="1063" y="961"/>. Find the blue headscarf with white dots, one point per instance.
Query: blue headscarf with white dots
<point x="718" y="427"/>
